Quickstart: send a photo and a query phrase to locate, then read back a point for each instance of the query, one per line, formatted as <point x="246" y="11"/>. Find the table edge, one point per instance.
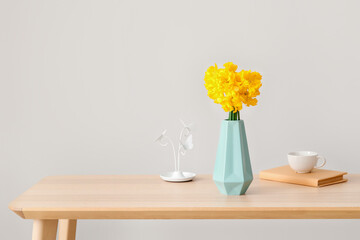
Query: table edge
<point x="193" y="213"/>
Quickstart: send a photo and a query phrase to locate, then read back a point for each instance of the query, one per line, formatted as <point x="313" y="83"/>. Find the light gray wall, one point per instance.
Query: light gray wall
<point x="86" y="86"/>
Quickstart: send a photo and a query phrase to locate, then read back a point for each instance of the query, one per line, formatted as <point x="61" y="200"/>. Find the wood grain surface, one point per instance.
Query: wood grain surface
<point x="148" y="197"/>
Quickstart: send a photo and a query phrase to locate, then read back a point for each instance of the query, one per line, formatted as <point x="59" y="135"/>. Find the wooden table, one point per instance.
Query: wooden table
<point x="65" y="199"/>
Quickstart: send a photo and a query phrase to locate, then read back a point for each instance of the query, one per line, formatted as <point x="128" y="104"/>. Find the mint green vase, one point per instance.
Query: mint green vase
<point x="232" y="173"/>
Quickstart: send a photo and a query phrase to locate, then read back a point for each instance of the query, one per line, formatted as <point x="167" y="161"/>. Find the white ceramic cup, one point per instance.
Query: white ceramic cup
<point x="305" y="161"/>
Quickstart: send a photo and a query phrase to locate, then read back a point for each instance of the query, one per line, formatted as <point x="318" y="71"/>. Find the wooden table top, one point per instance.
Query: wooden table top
<point x="148" y="197"/>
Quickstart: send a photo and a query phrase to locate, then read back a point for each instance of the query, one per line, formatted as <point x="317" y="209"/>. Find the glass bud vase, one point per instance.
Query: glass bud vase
<point x="232" y="173"/>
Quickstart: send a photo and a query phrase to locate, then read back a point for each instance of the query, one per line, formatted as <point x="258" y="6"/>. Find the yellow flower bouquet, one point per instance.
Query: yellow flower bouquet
<point x="232" y="171"/>
<point x="232" y="89"/>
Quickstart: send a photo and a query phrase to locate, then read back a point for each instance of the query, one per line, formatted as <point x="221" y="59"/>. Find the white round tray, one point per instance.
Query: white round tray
<point x="178" y="176"/>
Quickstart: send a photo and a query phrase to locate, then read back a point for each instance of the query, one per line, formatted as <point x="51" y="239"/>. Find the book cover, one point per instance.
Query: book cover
<point x="316" y="178"/>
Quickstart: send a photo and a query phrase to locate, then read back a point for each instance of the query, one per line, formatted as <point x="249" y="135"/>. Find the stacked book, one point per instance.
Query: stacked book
<point x="316" y="178"/>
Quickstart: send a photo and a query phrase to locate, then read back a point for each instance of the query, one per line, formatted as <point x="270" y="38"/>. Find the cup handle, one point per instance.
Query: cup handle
<point x="323" y="163"/>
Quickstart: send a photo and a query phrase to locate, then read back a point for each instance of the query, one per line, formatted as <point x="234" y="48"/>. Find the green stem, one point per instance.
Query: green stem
<point x="234" y="116"/>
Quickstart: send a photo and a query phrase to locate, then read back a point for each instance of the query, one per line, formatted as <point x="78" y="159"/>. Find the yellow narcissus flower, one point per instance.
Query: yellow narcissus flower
<point x="232" y="89"/>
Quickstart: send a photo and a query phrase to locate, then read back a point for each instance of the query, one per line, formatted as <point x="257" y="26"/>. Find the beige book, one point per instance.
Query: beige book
<point x="317" y="177"/>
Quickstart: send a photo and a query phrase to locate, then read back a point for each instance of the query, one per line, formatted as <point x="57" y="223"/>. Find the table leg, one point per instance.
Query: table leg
<point x="67" y="229"/>
<point x="44" y="229"/>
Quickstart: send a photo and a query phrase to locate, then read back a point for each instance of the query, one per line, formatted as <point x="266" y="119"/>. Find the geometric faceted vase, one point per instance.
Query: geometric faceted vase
<point x="232" y="173"/>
